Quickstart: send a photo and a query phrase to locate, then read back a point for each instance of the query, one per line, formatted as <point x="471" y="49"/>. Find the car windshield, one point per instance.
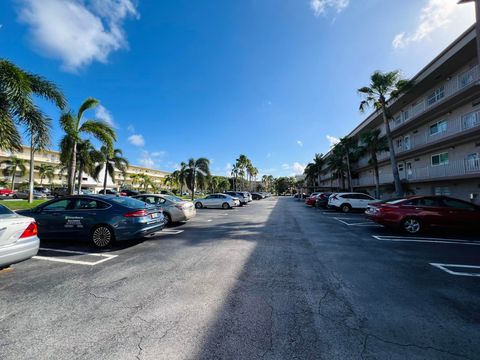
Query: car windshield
<point x="395" y="201"/>
<point x="172" y="198"/>
<point x="128" y="202"/>
<point x="4" y="210"/>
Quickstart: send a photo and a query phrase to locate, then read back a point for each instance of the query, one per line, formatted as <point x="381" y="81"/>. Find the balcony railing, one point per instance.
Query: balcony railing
<point x="441" y="93"/>
<point x="453" y="168"/>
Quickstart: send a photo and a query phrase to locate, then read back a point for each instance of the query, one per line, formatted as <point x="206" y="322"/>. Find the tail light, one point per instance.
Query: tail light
<point x="31" y="230"/>
<point x="179" y="206"/>
<point x="334" y="197"/>
<point x="136" y="213"/>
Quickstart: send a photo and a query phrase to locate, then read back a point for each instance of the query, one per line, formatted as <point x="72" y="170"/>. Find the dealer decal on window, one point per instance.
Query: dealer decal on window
<point x="74" y="221"/>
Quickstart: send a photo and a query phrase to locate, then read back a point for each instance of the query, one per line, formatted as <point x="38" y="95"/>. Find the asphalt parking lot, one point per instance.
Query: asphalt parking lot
<point x="273" y="280"/>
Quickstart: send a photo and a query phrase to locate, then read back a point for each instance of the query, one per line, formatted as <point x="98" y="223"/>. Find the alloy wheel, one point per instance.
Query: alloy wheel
<point x="412" y="226"/>
<point x="102" y="236"/>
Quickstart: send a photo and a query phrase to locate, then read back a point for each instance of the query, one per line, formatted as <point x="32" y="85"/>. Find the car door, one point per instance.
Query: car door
<point x="460" y="214"/>
<point x="209" y="201"/>
<point x="364" y="200"/>
<point x="84" y="214"/>
<point x="428" y="210"/>
<point x="51" y="219"/>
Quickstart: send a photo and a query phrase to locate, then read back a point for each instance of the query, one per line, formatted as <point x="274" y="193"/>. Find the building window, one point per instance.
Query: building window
<point x="466" y="78"/>
<point x="438" y="127"/>
<point x="397" y="120"/>
<point x="472" y="162"/>
<point x="400" y="143"/>
<point x="405" y="115"/>
<point x="440" y="159"/>
<point x="441" y="190"/>
<point x="470" y="120"/>
<point x="401" y="167"/>
<point x="436" y="95"/>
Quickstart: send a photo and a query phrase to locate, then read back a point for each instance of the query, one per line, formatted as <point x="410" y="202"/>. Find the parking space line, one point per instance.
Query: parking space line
<point x="426" y="240"/>
<point x="363" y="223"/>
<point x="105" y="257"/>
<point x="445" y="267"/>
<point x="170" y="231"/>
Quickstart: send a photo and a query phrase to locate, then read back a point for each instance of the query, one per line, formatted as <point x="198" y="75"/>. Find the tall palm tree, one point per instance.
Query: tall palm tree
<point x="182" y="176"/>
<point x="17" y="89"/>
<point x="349" y="148"/>
<point x="171" y="180"/>
<point x="146" y="182"/>
<point x="235" y="172"/>
<point x="135" y="180"/>
<point x="384" y="87"/>
<point x="372" y="144"/>
<point x="197" y="172"/>
<point x="336" y="162"/>
<point x="45" y="171"/>
<point x="310" y="173"/>
<point x="242" y="163"/>
<point x="74" y="127"/>
<point x="87" y="159"/>
<point x="13" y="167"/>
<point x="111" y="160"/>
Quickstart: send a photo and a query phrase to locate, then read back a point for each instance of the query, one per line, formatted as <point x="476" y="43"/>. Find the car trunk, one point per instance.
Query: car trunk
<point x="12" y="227"/>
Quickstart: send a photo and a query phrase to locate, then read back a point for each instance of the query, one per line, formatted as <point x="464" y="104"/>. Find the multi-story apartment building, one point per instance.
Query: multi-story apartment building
<point x="60" y="179"/>
<point x="436" y="130"/>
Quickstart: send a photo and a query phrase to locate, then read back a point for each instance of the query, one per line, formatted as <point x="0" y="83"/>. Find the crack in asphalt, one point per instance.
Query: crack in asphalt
<point x="140" y="349"/>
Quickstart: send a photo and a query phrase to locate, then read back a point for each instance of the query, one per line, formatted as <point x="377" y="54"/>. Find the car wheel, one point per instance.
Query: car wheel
<point x="412" y="225"/>
<point x="198" y="205"/>
<point x="168" y="219"/>
<point x="15" y="196"/>
<point x="346" y="208"/>
<point x="225" y="206"/>
<point x="102" y="236"/>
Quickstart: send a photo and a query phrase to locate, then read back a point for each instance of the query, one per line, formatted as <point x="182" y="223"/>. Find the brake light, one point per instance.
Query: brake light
<point x="31" y="230"/>
<point x="179" y="206"/>
<point x="136" y="213"/>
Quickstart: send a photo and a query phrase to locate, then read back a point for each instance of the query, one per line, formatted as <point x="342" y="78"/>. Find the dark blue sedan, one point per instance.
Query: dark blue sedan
<point x="101" y="218"/>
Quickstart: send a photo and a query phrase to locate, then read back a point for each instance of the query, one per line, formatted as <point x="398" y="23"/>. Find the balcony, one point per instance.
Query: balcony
<point x="435" y="96"/>
<point x="453" y="168"/>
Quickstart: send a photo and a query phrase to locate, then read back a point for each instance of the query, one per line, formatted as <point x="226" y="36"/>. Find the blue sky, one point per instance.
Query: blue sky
<point x="273" y="79"/>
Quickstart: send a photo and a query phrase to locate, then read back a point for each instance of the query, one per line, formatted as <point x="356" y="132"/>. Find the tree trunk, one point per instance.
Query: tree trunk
<point x="193" y="185"/>
<point x="80" y="172"/>
<point x="32" y="167"/>
<point x="105" y="178"/>
<point x="13" y="178"/>
<point x="349" y="172"/>
<point x="73" y="170"/>
<point x="393" y="158"/>
<point x="377" y="177"/>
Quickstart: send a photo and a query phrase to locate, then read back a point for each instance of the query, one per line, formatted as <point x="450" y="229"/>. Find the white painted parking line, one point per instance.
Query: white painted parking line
<point x="105" y="257"/>
<point x="169" y="232"/>
<point x="426" y="240"/>
<point x="445" y="267"/>
<point x="362" y="223"/>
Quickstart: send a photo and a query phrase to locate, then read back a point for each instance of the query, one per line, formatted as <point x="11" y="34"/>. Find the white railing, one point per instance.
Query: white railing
<point x="453" y="168"/>
<point x="450" y="87"/>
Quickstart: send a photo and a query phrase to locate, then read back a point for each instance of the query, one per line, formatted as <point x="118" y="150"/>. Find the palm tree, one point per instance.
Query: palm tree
<point x="310" y="173"/>
<point x="14" y="166"/>
<point x="382" y="88"/>
<point x="372" y="144"/>
<point x="171" y="180"/>
<point x="17" y="88"/>
<point x="87" y="159"/>
<point x="135" y="179"/>
<point x="146" y="182"/>
<point x="349" y="147"/>
<point x="74" y="128"/>
<point x="182" y="175"/>
<point x="197" y="172"/>
<point x="111" y="160"/>
<point x="242" y="164"/>
<point x="45" y="171"/>
<point x="337" y="165"/>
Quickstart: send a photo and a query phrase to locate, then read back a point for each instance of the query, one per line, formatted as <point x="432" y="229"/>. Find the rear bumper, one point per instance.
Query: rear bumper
<point x="139" y="230"/>
<point x="20" y="251"/>
<point x="382" y="221"/>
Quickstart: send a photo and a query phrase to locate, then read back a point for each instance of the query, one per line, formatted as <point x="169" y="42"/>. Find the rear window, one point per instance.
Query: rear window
<point x="172" y="198"/>
<point x="395" y="201"/>
<point x="4" y="210"/>
<point x="128" y="202"/>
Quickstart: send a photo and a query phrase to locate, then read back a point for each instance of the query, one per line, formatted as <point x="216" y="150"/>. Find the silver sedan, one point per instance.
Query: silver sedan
<point x="223" y="201"/>
<point x="174" y="208"/>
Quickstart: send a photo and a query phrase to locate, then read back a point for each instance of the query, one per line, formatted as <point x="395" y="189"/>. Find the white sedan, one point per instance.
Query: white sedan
<point x="18" y="237"/>
<point x="223" y="201"/>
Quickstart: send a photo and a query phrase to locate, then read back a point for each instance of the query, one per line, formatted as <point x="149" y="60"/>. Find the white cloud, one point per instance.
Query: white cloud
<point x="75" y="31"/>
<point x="101" y="113"/>
<point x="150" y="159"/>
<point x="228" y="169"/>
<point x="137" y="140"/>
<point x="158" y="153"/>
<point x="434" y="15"/>
<point x="332" y="140"/>
<point x="300" y="143"/>
<point x="131" y="128"/>
<point x="285" y="166"/>
<point x="319" y="7"/>
<point x="298" y="168"/>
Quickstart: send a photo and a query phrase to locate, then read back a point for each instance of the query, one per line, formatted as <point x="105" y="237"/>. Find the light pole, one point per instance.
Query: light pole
<point x="477" y="24"/>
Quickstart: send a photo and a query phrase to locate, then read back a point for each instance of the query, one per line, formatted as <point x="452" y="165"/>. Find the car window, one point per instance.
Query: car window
<point x="172" y="198"/>
<point x="58" y="205"/>
<point x="150" y="200"/>
<point x="348" y="196"/>
<point x="210" y="197"/>
<point x="426" y="202"/>
<point x="86" y="204"/>
<point x="4" y="210"/>
<point x="457" y="204"/>
<point x="364" y="197"/>
<point x="127" y="201"/>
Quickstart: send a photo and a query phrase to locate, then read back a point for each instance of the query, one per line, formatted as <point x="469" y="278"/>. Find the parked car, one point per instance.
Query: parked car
<point x="6" y="192"/>
<point x="311" y="200"/>
<point x="322" y="200"/>
<point x="18" y="237"/>
<point x="101" y="218"/>
<point x="174" y="208"/>
<point x="61" y="191"/>
<point x="87" y="192"/>
<point x="42" y="189"/>
<point x="347" y="202"/>
<point x="108" y="192"/>
<point x="240" y="195"/>
<point x="223" y="201"/>
<point x="23" y="194"/>
<point x="418" y="213"/>
<point x="257" y="196"/>
<point x="128" y="192"/>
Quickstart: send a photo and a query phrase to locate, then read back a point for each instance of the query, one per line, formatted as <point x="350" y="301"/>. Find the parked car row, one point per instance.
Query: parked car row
<point x="412" y="215"/>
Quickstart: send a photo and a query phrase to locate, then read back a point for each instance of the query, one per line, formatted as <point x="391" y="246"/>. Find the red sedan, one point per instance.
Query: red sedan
<point x="6" y="192"/>
<point x="311" y="200"/>
<point x="418" y="213"/>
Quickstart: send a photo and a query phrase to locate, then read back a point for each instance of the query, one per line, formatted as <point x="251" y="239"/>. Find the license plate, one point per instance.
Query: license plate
<point x="154" y="215"/>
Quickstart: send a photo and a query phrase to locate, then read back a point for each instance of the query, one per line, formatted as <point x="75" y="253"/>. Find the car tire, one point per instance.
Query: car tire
<point x="225" y="206"/>
<point x="346" y="208"/>
<point x="102" y="236"/>
<point x="412" y="226"/>
<point x="198" y="205"/>
<point x="168" y="218"/>
<point x="14" y="196"/>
